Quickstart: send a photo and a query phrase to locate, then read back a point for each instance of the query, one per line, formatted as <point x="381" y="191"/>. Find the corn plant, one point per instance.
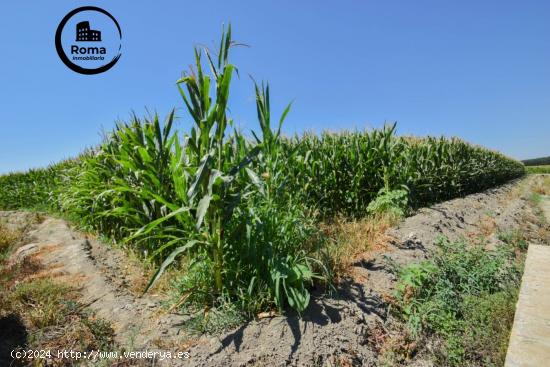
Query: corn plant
<point x="224" y="214"/>
<point x="343" y="172"/>
<point x="237" y="214"/>
<point x="122" y="185"/>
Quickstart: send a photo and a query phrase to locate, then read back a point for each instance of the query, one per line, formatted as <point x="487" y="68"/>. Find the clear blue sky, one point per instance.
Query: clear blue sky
<point x="475" y="69"/>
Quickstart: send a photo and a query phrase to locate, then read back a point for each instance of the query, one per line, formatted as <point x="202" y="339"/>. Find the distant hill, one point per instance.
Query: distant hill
<point x="537" y="161"/>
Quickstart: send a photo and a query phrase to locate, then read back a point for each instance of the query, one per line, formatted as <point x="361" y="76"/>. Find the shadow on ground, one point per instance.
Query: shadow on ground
<point x="13" y="335"/>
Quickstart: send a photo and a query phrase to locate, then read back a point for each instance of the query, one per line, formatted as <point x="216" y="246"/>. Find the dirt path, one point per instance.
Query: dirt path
<point x="334" y="330"/>
<point x="103" y="277"/>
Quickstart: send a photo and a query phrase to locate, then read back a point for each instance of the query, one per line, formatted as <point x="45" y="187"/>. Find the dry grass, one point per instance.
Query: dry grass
<point x="51" y="316"/>
<point x="487" y="225"/>
<point x="536" y="225"/>
<point x="517" y="190"/>
<point x="38" y="312"/>
<point x="351" y="240"/>
<point x="393" y="343"/>
<point x="541" y="185"/>
<point x="8" y="238"/>
<point x="39" y="301"/>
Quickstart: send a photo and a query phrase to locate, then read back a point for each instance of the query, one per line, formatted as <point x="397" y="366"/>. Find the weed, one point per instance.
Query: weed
<point x="42" y="297"/>
<point x="102" y="332"/>
<point x="541" y="185"/>
<point x="488" y="319"/>
<point x="8" y="238"/>
<point x="214" y="321"/>
<point x="390" y="202"/>
<point x="52" y="317"/>
<point x="349" y="239"/>
<point x="487" y="225"/>
<point x="535" y="198"/>
<point x="515" y="238"/>
<point x="458" y="297"/>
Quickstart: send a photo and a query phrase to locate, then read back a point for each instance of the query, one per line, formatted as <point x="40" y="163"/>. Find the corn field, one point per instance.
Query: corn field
<point x="342" y="173"/>
<point x="238" y="214"/>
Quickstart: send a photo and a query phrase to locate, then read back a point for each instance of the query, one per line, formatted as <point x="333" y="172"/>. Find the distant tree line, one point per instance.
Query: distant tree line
<point x="537" y="161"/>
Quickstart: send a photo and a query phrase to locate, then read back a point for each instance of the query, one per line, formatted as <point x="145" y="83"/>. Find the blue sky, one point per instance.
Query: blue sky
<point x="475" y="69"/>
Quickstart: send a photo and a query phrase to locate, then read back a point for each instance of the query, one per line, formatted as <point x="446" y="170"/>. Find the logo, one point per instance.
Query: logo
<point x="86" y="50"/>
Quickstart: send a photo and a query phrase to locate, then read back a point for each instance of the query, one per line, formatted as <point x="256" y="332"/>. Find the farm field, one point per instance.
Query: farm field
<point x="346" y="248"/>
<point x="538" y="169"/>
<point x="358" y="315"/>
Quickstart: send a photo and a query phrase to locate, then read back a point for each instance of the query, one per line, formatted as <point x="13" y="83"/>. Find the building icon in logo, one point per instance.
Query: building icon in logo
<point x="84" y="33"/>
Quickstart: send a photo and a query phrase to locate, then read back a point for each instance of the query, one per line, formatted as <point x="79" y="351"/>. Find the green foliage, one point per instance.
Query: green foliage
<point x="537" y="161"/>
<point x="393" y="202"/>
<point x="488" y="319"/>
<point x="214" y="321"/>
<point x="288" y="279"/>
<point x="343" y="172"/>
<point x="514" y="238"/>
<point x="36" y="188"/>
<point x="458" y="295"/>
<point x="538" y="169"/>
<point x="237" y="213"/>
<point x="208" y="199"/>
